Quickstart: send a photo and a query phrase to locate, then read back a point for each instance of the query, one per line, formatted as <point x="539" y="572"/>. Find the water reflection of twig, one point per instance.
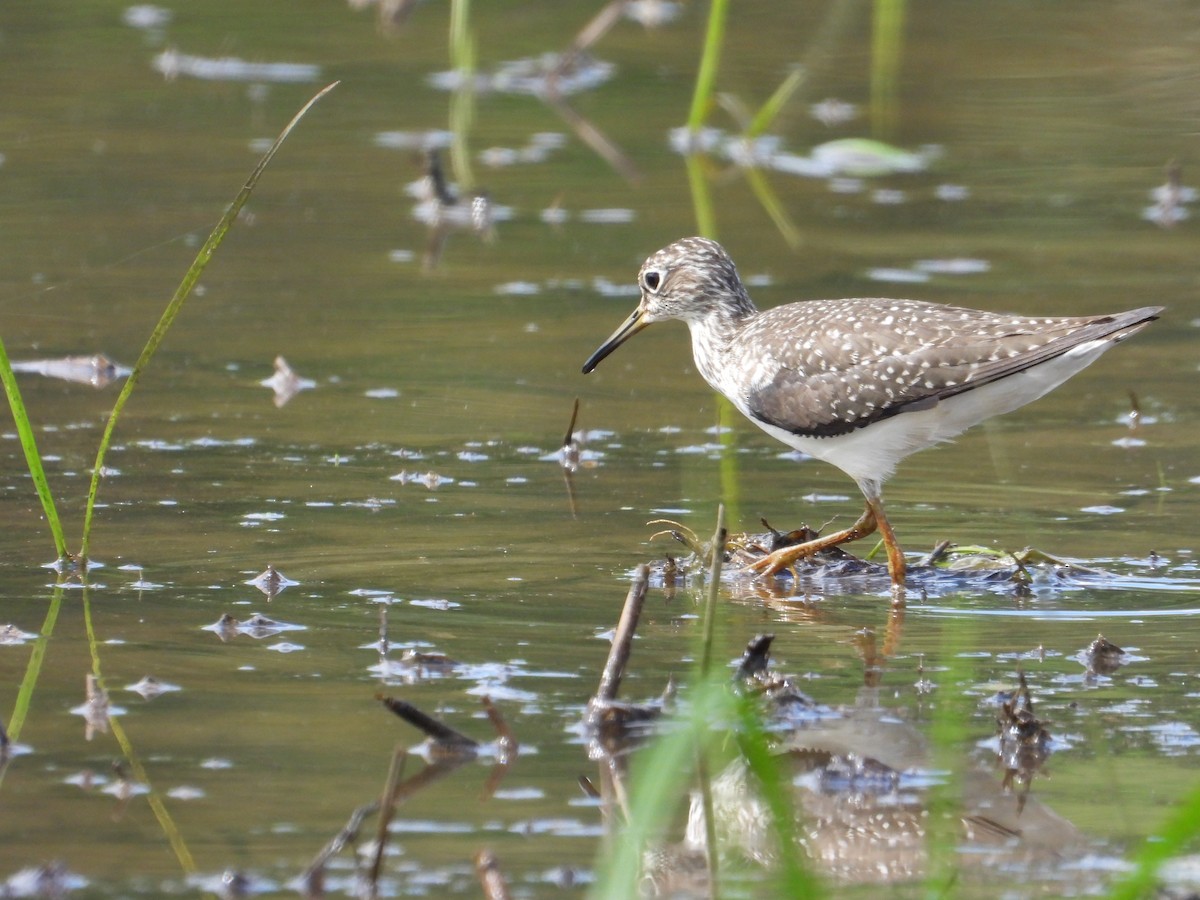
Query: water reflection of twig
<point x="596" y="139"/>
<point x="569" y="458"/>
<point x="387" y="808"/>
<point x="491" y="878"/>
<point x="592" y="32"/>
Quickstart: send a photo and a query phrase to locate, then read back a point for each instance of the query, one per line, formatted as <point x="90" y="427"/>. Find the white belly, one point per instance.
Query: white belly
<point x="870" y="455"/>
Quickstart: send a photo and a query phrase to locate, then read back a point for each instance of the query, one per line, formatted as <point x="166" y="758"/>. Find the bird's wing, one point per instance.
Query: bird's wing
<point x="857" y="362"/>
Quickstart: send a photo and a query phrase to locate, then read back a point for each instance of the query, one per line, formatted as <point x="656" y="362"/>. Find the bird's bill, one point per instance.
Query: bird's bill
<point x="631" y="326"/>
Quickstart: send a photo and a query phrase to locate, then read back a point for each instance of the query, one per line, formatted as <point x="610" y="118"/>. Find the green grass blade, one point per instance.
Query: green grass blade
<point x="887" y="42"/>
<point x="706" y="217"/>
<point x="766" y="116"/>
<point x="137" y="769"/>
<point x="660" y="776"/>
<point x="796" y="879"/>
<point x="34" y="667"/>
<point x="33" y="459"/>
<point x="173" y="308"/>
<point x="462" y="101"/>
<point x="770" y="203"/>
<point x="949" y="734"/>
<point x="33" y="670"/>
<point x="1173" y="838"/>
<point x="706" y="76"/>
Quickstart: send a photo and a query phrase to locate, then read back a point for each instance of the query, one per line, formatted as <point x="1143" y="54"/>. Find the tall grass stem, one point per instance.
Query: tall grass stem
<point x="33" y="459"/>
<point x="181" y="294"/>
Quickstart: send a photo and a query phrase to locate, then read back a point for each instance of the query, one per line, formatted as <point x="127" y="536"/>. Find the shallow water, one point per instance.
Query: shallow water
<point x="420" y="475"/>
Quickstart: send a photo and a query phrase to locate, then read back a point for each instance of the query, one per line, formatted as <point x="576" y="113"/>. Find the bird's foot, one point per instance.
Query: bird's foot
<point x="785" y="558"/>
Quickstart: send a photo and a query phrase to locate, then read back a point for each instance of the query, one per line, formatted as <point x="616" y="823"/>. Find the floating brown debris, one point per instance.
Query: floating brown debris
<point x="834" y="567"/>
<point x="12" y="635"/>
<point x="271" y="582"/>
<point x="491" y="878"/>
<point x="285" y="383"/>
<point x="150" y="687"/>
<point x="1024" y="741"/>
<point x="442" y="736"/>
<point x="98" y="371"/>
<point x="571" y="442"/>
<point x="614" y="724"/>
<point x="95" y="709"/>
<point x="257" y="626"/>
<point x="50" y="880"/>
<point x="1102" y="656"/>
<point x="1170" y="199"/>
<point x="569" y="455"/>
<point x="757" y="656"/>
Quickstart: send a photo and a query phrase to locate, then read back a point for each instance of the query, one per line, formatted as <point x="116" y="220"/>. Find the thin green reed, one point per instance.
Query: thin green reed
<point x="706" y="79"/>
<point x="1171" y="839"/>
<point x="887" y="41"/>
<point x="462" y="101"/>
<point x="136" y="768"/>
<point x="706" y="76"/>
<point x="948" y="736"/>
<point x="181" y="294"/>
<point x="33" y="668"/>
<point x="33" y="459"/>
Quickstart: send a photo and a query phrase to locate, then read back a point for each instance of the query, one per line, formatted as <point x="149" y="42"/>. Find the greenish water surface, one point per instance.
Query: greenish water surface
<point x="420" y="473"/>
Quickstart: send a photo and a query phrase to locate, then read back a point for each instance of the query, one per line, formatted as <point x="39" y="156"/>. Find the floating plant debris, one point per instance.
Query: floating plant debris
<point x="532" y="75"/>
<point x="98" y="370"/>
<point x="425" y="141"/>
<point x="11" y="635"/>
<point x="896" y="276"/>
<point x="172" y="64"/>
<point x="51" y="880"/>
<point x="836" y="570"/>
<point x="491" y="877"/>
<point x="257" y="626"/>
<point x="146" y="16"/>
<point x="1170" y="199"/>
<point x="652" y="13"/>
<point x="831" y="111"/>
<point x="1102" y="656"/>
<point x="431" y="480"/>
<point x="285" y="383"/>
<point x="615" y="216"/>
<point x="854" y="157"/>
<point x="537" y="150"/>
<point x="953" y="266"/>
<point x="150" y="687"/>
<point x="271" y="582"/>
<point x="96" y="709"/>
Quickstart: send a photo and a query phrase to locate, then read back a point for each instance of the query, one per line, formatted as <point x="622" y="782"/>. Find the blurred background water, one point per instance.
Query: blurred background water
<point x="419" y="472"/>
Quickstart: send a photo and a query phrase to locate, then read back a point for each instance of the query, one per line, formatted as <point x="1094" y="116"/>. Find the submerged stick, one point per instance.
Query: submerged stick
<point x="436" y="731"/>
<point x="387" y="809"/>
<point x="314" y="875"/>
<point x="622" y="643"/>
<point x="599" y="25"/>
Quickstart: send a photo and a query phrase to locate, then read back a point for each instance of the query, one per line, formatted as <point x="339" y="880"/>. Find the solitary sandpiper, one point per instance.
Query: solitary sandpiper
<point x="860" y="383"/>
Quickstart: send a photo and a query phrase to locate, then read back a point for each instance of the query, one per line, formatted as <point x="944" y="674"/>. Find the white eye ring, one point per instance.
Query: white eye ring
<point x="652" y="280"/>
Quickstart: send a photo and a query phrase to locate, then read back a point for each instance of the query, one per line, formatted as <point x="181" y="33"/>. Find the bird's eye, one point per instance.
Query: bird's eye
<point x="652" y="279"/>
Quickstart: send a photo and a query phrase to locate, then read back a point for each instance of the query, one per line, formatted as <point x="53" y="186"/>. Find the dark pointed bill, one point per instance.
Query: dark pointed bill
<point x="628" y="329"/>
